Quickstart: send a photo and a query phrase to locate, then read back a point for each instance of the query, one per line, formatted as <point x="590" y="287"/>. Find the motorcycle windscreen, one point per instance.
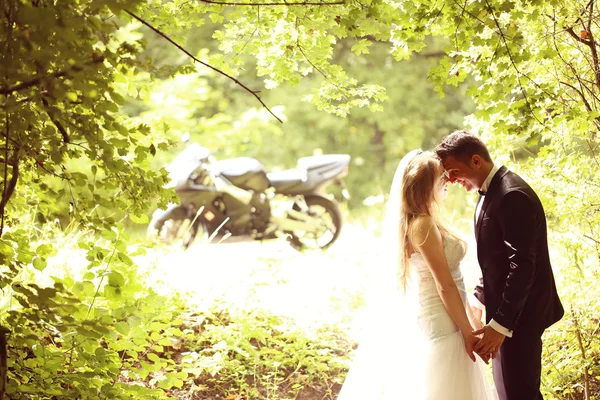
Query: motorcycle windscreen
<point x="185" y="163"/>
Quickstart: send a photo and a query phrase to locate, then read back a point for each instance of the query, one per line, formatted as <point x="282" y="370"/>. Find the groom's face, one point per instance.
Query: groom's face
<point x="459" y="172"/>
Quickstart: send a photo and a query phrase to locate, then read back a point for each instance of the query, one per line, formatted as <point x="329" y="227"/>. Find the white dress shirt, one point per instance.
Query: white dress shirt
<point x="485" y="186"/>
<point x="473" y="300"/>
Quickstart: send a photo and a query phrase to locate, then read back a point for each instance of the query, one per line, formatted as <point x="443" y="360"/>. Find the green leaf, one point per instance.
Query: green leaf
<point x="362" y="47"/>
<point x="44" y="250"/>
<point x="39" y="263"/>
<point x="112" y="292"/>
<point x="116" y="279"/>
<point x="38" y="350"/>
<point x="153" y="357"/>
<point x="139" y="219"/>
<point x="133" y="354"/>
<point x="122" y="327"/>
<point x="112" y="107"/>
<point x="120" y="100"/>
<point x="88" y="333"/>
<point x="89" y="276"/>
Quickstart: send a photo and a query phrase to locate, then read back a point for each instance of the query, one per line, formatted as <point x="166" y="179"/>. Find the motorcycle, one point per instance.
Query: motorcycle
<point x="236" y="199"/>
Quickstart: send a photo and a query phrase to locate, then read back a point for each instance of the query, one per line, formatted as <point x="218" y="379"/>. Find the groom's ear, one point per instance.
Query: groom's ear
<point x="476" y="160"/>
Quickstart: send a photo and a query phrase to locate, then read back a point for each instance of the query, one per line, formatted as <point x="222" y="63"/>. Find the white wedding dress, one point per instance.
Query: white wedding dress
<point x="413" y="350"/>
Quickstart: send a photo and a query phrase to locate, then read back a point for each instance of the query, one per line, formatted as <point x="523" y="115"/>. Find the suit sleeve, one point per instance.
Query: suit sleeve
<point x="518" y="222"/>
<point x="478" y="292"/>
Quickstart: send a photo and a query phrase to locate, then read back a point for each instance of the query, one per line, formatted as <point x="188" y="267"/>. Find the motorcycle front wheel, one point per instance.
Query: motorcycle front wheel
<point x="330" y="216"/>
<point x="175" y="231"/>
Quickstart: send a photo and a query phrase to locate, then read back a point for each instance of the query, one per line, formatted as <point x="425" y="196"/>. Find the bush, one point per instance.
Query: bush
<point x="92" y="327"/>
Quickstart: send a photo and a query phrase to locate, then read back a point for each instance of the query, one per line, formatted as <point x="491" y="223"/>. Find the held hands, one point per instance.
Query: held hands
<point x="489" y="344"/>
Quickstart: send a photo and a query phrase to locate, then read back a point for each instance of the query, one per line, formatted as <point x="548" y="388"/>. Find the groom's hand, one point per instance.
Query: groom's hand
<point x="490" y="343"/>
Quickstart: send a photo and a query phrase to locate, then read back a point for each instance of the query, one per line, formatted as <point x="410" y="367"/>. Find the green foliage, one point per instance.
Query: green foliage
<point x="258" y="355"/>
<point x="101" y="331"/>
<point x="85" y="332"/>
<point x="64" y="137"/>
<point x="572" y="351"/>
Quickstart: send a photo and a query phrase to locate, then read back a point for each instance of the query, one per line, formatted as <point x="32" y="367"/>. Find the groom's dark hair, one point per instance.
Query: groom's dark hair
<point x="462" y="145"/>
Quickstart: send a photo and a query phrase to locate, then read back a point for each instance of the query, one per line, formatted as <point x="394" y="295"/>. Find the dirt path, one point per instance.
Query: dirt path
<point x="313" y="288"/>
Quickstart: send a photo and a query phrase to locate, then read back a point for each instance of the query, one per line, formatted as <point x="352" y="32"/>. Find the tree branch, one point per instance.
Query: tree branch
<point x="432" y="54"/>
<point x="133" y="196"/>
<point x="592" y="239"/>
<point x="464" y="8"/>
<point x="514" y="65"/>
<point x="7" y="123"/>
<point x="586" y="378"/>
<point x="576" y="75"/>
<point x="11" y="186"/>
<point x="571" y="32"/>
<point x="56" y="122"/>
<point x="297" y="3"/>
<point x="310" y="62"/>
<point x="9" y="189"/>
<point x="591" y="43"/>
<point x="593" y="153"/>
<point x="49" y="172"/>
<point x="591" y="18"/>
<point x="432" y="21"/>
<point x="572" y="68"/>
<point x="12" y="163"/>
<point x="203" y="63"/>
<point x="585" y="102"/>
<point x="36" y="81"/>
<point x="593" y="48"/>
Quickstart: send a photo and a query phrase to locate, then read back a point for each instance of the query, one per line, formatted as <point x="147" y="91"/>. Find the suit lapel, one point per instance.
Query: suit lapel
<point x="494" y="186"/>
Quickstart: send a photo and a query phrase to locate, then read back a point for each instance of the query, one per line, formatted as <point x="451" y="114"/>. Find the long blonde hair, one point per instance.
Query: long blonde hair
<point x="419" y="196"/>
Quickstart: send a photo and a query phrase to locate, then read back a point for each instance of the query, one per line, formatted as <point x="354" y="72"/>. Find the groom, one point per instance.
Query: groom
<point x="517" y="288"/>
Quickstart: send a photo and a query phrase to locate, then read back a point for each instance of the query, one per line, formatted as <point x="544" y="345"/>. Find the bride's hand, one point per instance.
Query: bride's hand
<point x="470" y="342"/>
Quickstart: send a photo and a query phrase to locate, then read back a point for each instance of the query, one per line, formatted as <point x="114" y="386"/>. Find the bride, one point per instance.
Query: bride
<point x="419" y="342"/>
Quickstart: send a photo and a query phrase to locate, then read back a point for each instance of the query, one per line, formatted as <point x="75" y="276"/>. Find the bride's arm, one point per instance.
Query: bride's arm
<point x="474" y="315"/>
<point x="426" y="238"/>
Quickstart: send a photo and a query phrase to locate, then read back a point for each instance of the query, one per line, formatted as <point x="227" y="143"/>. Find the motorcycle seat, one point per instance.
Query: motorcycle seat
<point x="237" y="167"/>
<point x="244" y="172"/>
<point x="281" y="179"/>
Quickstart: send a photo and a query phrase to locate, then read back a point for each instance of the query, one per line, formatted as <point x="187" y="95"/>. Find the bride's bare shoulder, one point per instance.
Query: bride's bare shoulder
<point x="422" y="221"/>
<point x="421" y="227"/>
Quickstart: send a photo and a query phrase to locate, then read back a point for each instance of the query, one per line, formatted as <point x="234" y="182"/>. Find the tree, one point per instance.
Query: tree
<point x="64" y="142"/>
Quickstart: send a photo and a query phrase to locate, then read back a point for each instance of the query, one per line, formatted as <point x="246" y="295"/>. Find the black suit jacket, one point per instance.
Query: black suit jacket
<point x="518" y="288"/>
